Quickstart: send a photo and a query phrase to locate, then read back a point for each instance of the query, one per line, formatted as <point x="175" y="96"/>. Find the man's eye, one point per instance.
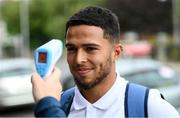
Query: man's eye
<point x="71" y="49"/>
<point x="91" y="49"/>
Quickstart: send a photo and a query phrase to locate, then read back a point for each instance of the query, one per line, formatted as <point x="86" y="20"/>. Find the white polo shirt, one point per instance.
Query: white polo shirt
<point x="111" y="105"/>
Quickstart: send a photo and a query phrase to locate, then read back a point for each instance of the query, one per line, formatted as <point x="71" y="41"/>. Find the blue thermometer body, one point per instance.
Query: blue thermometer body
<point x="46" y="57"/>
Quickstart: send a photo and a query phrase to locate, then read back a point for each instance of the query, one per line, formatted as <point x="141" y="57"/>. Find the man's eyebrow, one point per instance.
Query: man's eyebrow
<point x="69" y="44"/>
<point x="85" y="45"/>
<point x="91" y="44"/>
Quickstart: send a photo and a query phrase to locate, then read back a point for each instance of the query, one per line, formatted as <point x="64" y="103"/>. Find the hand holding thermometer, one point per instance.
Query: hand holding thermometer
<point x="46" y="57"/>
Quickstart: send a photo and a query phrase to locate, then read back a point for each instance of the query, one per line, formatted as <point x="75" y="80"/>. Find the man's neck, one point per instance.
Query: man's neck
<point x="95" y="93"/>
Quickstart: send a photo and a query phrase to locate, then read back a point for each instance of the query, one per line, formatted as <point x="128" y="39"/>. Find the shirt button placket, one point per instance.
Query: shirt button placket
<point x="89" y="111"/>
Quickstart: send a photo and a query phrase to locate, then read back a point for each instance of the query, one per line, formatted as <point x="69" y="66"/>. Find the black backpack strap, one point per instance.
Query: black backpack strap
<point x="67" y="99"/>
<point x="136" y="99"/>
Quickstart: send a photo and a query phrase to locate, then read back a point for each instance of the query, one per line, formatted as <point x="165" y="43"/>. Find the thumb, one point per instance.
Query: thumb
<point x="35" y="78"/>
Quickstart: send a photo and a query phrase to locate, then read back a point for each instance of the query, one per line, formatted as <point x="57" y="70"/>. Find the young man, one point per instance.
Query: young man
<point x="93" y="46"/>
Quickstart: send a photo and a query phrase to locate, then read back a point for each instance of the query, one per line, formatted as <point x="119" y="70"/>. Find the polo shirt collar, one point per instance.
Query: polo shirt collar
<point x="112" y="94"/>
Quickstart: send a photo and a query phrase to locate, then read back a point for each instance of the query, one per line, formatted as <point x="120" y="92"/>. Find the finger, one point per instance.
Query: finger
<point x="56" y="74"/>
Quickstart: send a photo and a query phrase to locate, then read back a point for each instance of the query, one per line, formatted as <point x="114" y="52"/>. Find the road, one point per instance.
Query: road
<point x="23" y="111"/>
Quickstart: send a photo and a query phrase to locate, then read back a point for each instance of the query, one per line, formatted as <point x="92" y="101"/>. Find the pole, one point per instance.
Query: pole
<point x="24" y="24"/>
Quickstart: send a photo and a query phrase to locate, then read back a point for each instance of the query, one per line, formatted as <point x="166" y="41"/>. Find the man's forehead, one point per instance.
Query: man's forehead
<point x="83" y="30"/>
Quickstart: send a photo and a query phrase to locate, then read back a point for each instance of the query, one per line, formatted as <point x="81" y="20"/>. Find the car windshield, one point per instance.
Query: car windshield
<point x="15" y="72"/>
<point x="152" y="78"/>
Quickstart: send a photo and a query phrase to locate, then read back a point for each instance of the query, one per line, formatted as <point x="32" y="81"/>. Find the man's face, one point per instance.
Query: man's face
<point x="89" y="55"/>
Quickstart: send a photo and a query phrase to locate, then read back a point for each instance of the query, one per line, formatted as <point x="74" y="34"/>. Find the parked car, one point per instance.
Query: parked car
<point x="152" y="74"/>
<point x="15" y="83"/>
<point x="147" y="72"/>
<point x="137" y="49"/>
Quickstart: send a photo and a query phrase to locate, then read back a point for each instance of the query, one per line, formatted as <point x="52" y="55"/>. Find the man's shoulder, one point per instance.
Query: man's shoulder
<point x="67" y="95"/>
<point x="67" y="99"/>
<point x="159" y="107"/>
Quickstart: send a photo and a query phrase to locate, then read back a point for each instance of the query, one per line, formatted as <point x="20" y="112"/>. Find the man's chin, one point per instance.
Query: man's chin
<point x="84" y="85"/>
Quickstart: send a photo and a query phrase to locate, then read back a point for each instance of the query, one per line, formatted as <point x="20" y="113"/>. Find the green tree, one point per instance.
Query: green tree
<point x="143" y="16"/>
<point x="10" y="13"/>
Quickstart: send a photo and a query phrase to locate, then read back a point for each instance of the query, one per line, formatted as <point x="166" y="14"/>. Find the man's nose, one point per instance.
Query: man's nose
<point x="81" y="57"/>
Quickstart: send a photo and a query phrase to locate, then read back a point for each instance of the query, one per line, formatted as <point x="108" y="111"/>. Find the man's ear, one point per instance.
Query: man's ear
<point x="118" y="49"/>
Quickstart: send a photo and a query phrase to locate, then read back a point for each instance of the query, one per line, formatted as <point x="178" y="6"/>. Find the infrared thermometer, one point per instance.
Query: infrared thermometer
<point x="46" y="57"/>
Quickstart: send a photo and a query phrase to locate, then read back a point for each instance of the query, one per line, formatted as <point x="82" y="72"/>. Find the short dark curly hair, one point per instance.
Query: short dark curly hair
<point x="100" y="17"/>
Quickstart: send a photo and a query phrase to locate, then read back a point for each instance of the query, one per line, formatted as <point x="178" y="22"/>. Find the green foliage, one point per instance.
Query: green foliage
<point x="143" y="16"/>
<point x="10" y="13"/>
<point x="47" y="18"/>
<point x="173" y="53"/>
